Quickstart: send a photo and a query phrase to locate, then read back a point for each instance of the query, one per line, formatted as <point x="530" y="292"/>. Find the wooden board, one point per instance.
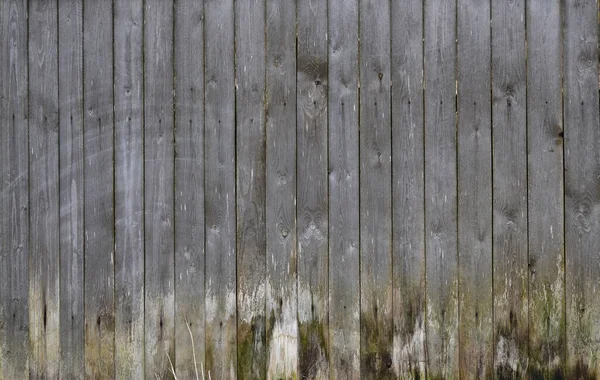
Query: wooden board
<point x="582" y="202"/>
<point x="158" y="188"/>
<point x="545" y="189"/>
<point x="344" y="232"/>
<point x="474" y="154"/>
<point x="250" y="180"/>
<point x="312" y="189"/>
<point x="189" y="188"/>
<point x="509" y="164"/>
<point x="440" y="189"/>
<point x="70" y="90"/>
<point x="44" y="323"/>
<point x="129" y="189"/>
<point x="281" y="296"/>
<point x="408" y="189"/>
<point x="99" y="186"/>
<point x="14" y="191"/>
<point x="376" y="312"/>
<point x="220" y="192"/>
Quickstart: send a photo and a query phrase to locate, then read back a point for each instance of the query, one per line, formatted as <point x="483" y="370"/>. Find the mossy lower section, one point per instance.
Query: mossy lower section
<point x="376" y="347"/>
<point x="511" y="347"/>
<point x="252" y="353"/>
<point x="313" y="352"/>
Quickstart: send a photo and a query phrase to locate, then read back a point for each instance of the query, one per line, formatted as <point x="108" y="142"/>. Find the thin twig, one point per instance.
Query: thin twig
<point x="187" y="324"/>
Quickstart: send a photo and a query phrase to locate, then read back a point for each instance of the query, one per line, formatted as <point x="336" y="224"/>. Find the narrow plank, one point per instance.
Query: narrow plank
<point x="545" y="189"/>
<point x="44" y="324"/>
<point x="440" y="189"/>
<point x="250" y="179"/>
<point x="408" y="189"/>
<point x="281" y="295"/>
<point x="99" y="187"/>
<point x="474" y="109"/>
<point x="70" y="90"/>
<point x="189" y="188"/>
<point x="344" y="232"/>
<point x="509" y="163"/>
<point x="220" y="195"/>
<point x="312" y="189"/>
<point x="376" y="314"/>
<point x="582" y="203"/>
<point x="129" y="190"/>
<point x="14" y="191"/>
<point x="159" y="294"/>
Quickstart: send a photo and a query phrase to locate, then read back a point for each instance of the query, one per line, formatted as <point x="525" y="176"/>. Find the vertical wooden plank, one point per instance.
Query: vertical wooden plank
<point x="475" y="190"/>
<point x="99" y="187"/>
<point x="440" y="189"/>
<point x="281" y="296"/>
<point x="44" y="197"/>
<point x="70" y="89"/>
<point x="14" y="191"/>
<point x="375" y="191"/>
<point x="189" y="187"/>
<point x="509" y="164"/>
<point x="159" y="165"/>
<point x="408" y="189"/>
<point x="251" y="239"/>
<point x="129" y="190"/>
<point x="545" y="190"/>
<point x="344" y="271"/>
<point x="220" y="209"/>
<point x="582" y="203"/>
<point x="312" y="189"/>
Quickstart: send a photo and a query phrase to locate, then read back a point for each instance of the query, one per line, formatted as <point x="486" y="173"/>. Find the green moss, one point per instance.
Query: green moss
<point x="314" y="353"/>
<point x="376" y="348"/>
<point x="251" y="350"/>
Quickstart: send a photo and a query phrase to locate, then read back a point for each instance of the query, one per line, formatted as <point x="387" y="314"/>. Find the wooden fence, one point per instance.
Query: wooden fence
<point x="288" y="189"/>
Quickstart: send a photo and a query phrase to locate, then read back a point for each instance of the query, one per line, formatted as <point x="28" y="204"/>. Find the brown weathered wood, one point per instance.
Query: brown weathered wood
<point x="129" y="189"/>
<point x="509" y="163"/>
<point x="474" y="155"/>
<point x="14" y="191"/>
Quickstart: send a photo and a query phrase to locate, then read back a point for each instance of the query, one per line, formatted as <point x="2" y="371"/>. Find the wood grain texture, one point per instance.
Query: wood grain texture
<point x="44" y="323"/>
<point x="189" y="187"/>
<point x="408" y="189"/>
<point x="70" y="90"/>
<point x="281" y="295"/>
<point x="312" y="189"/>
<point x="376" y="312"/>
<point x="582" y="184"/>
<point x="251" y="190"/>
<point x="99" y="187"/>
<point x="509" y="164"/>
<point x="440" y="189"/>
<point x="547" y="341"/>
<point x="159" y="165"/>
<point x="129" y="189"/>
<point x="14" y="191"/>
<point x="475" y="190"/>
<point x="344" y="230"/>
<point x="220" y="191"/>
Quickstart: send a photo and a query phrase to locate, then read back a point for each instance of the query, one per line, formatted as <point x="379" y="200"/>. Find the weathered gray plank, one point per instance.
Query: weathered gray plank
<point x="14" y="191"/>
<point x="251" y="238"/>
<point x="281" y="296"/>
<point x="129" y="190"/>
<point x="509" y="165"/>
<point x="70" y="90"/>
<point x="158" y="188"/>
<point x="545" y="189"/>
<point x="99" y="187"/>
<point x="582" y="184"/>
<point x="474" y="155"/>
<point x="376" y="312"/>
<point x="440" y="189"/>
<point x="220" y="212"/>
<point x="312" y="189"/>
<point x="344" y="284"/>
<point x="44" y="196"/>
<point x="408" y="189"/>
<point x="189" y="187"/>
